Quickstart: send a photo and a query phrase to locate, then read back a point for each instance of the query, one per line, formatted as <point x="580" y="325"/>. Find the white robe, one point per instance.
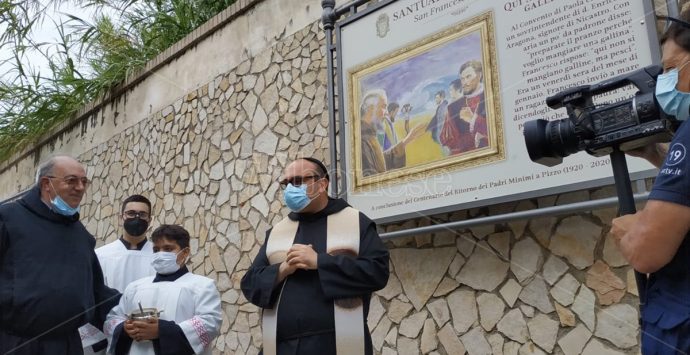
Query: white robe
<point x="192" y="302"/>
<point x="120" y="267"/>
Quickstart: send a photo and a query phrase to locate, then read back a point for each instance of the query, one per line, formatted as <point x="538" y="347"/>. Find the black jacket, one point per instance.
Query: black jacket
<point x="50" y="279"/>
<point x="305" y="318"/>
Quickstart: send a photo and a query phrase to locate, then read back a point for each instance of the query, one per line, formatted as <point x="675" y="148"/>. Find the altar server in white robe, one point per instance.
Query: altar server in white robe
<point x="190" y="317"/>
<point x="124" y="260"/>
<point x="129" y="258"/>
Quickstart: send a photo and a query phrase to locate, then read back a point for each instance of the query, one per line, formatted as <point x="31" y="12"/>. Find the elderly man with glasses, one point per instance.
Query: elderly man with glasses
<point x="316" y="270"/>
<point x="50" y="279"/>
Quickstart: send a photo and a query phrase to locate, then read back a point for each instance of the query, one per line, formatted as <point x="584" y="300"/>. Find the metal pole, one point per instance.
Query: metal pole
<point x="328" y="19"/>
<point x="672" y="8"/>
<point x="627" y="206"/>
<point x="513" y="216"/>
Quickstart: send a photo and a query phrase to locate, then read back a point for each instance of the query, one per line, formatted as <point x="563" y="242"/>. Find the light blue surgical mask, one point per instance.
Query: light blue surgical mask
<point x="673" y="102"/>
<point x="296" y="198"/>
<point x="60" y="206"/>
<point x="165" y="262"/>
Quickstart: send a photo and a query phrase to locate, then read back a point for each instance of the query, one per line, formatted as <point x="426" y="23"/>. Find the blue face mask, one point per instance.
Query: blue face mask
<point x="672" y="101"/>
<point x="296" y="197"/>
<point x="61" y="207"/>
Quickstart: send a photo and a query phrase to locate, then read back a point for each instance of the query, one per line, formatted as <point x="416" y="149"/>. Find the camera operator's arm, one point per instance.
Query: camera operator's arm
<point x="650" y="238"/>
<point x="653" y="153"/>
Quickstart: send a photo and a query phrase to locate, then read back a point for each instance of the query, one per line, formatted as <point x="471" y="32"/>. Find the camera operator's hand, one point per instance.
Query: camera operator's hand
<point x="653" y="153"/>
<point x="621" y="225"/>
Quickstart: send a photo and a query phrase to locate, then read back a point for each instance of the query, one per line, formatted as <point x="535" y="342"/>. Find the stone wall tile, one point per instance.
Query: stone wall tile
<point x="484" y="270"/>
<point x="510" y="292"/>
<point x="397" y="310"/>
<point x="501" y="243"/>
<point x="536" y="294"/>
<point x="450" y="341"/>
<point x="566" y="317"/>
<point x="463" y="308"/>
<point x="619" y="325"/>
<point x="439" y="311"/>
<point x="446" y="286"/>
<point x="407" y="346"/>
<point x="527" y="310"/>
<point x="530" y="349"/>
<point x="632" y="283"/>
<point x="595" y="347"/>
<point x="525" y="260"/>
<point x="554" y="268"/>
<point x="543" y="331"/>
<point x="574" y="341"/>
<point x="490" y="310"/>
<point x="607" y="286"/>
<point x="392" y="337"/>
<point x="518" y="227"/>
<point x="429" y="342"/>
<point x="496" y="341"/>
<point x="456" y="265"/>
<point x="565" y="290"/>
<point x="583" y="306"/>
<point x="513" y="326"/>
<point x="376" y="311"/>
<point x="379" y="333"/>
<point x="388" y="351"/>
<point x="466" y="243"/>
<point x="541" y="228"/>
<point x="475" y="342"/>
<point x="575" y="239"/>
<point x="511" y="348"/>
<point x="412" y="325"/>
<point x="411" y="263"/>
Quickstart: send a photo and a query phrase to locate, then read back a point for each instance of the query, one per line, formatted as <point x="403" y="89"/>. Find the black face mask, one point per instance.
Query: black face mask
<point x="136" y="226"/>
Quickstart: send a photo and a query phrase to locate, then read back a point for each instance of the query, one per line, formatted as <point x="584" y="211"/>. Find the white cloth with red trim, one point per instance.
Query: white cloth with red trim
<point x="192" y="302"/>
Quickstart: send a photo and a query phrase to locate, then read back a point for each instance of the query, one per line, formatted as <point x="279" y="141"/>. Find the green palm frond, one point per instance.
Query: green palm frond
<point x="90" y="58"/>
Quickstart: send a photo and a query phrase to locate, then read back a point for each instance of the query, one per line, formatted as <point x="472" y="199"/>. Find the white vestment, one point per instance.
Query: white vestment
<point x="120" y="267"/>
<point x="192" y="302"/>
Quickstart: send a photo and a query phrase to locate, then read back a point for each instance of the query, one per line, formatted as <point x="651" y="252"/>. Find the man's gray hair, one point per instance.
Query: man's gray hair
<point x="46" y="167"/>
<point x="371" y="99"/>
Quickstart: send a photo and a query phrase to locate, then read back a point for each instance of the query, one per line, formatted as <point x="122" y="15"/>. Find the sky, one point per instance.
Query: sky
<point x="46" y="32"/>
<point x="416" y="79"/>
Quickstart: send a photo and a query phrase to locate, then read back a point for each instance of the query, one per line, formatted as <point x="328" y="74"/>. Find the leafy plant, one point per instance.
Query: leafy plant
<point x="90" y="58"/>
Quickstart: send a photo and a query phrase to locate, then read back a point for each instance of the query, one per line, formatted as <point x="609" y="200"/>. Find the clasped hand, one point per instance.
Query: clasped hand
<point x="302" y="256"/>
<point x="140" y="330"/>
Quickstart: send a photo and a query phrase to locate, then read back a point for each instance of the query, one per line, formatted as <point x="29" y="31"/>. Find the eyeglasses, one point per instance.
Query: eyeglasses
<point x="72" y="180"/>
<point x="669" y="20"/>
<point x="297" y="180"/>
<point x="136" y="214"/>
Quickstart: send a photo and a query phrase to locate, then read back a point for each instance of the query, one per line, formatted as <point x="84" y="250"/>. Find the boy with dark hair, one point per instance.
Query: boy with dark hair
<point x="189" y="304"/>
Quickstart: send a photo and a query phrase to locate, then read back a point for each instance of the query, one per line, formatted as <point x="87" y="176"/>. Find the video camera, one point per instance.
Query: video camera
<point x="628" y="124"/>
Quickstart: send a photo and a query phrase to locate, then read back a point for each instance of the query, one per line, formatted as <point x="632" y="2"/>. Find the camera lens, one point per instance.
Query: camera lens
<point x="549" y="141"/>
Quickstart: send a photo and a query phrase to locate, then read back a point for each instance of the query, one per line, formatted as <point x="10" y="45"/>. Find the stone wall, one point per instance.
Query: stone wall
<point x="547" y="285"/>
<point x="210" y="161"/>
<point x="209" y="158"/>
